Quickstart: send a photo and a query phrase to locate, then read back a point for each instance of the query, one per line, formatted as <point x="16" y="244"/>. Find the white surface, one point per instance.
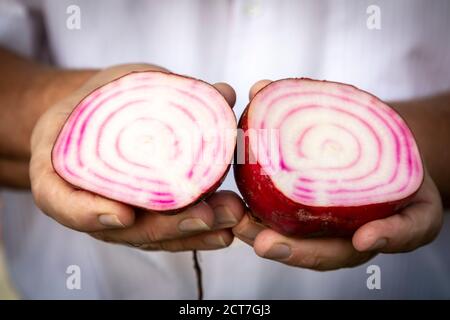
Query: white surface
<point x="239" y="42"/>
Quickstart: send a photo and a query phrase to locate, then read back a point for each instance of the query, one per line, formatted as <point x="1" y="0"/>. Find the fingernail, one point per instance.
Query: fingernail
<point x="379" y="244"/>
<point x="278" y="251"/>
<point x="193" y="225"/>
<point x="214" y="241"/>
<point x="110" y="221"/>
<point x="224" y="217"/>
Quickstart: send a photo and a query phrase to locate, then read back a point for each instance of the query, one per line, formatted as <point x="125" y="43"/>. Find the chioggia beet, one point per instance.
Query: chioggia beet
<point x="154" y="140"/>
<point x="323" y="158"/>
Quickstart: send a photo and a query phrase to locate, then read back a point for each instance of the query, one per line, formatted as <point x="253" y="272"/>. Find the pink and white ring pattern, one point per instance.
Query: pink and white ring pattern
<point x="334" y="146"/>
<point x="150" y="139"/>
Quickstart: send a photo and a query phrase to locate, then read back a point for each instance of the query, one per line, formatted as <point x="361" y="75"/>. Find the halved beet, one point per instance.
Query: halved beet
<point x="323" y="158"/>
<point x="150" y="139"/>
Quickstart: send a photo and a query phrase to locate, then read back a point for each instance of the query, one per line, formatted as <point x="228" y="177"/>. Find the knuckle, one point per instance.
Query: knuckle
<point x="409" y="222"/>
<point x="172" y="247"/>
<point x="227" y="237"/>
<point x="166" y="246"/>
<point x="228" y="241"/>
<point x="74" y="220"/>
<point x="150" y="235"/>
<point x="312" y="260"/>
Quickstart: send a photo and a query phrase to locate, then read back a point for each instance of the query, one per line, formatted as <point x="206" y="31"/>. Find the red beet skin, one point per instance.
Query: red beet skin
<point x="151" y="139"/>
<point x="339" y="158"/>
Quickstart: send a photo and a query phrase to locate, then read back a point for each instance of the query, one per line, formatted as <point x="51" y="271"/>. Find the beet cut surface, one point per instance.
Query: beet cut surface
<point x="153" y="140"/>
<point x="324" y="158"/>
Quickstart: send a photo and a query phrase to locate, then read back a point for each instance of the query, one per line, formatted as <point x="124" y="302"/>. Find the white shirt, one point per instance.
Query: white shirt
<point x="238" y="42"/>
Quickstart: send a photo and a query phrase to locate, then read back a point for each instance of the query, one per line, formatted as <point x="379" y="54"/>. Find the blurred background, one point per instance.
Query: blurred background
<point x="6" y="290"/>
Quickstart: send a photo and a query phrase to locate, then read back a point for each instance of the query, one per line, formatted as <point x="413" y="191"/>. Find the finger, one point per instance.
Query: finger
<point x="318" y="254"/>
<point x="14" y="174"/>
<point x="227" y="91"/>
<point x="416" y="225"/>
<point x="222" y="210"/>
<point x="206" y="241"/>
<point x="151" y="227"/>
<point x="258" y="86"/>
<point x="247" y="230"/>
<point x="78" y="209"/>
<point x="228" y="209"/>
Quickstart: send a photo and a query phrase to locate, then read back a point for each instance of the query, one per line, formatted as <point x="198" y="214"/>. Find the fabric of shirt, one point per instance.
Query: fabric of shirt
<point x="239" y="42"/>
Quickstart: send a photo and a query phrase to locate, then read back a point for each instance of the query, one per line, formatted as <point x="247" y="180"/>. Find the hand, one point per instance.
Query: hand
<point x="201" y="227"/>
<point x="416" y="225"/>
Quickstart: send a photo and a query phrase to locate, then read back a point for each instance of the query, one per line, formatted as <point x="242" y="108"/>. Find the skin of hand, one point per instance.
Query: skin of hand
<point x="205" y="226"/>
<point x="414" y="226"/>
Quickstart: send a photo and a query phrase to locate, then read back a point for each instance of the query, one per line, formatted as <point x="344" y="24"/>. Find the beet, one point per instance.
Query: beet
<point x="323" y="158"/>
<point x="154" y="140"/>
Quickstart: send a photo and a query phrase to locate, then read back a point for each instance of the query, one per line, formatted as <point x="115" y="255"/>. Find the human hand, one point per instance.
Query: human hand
<point x="201" y="227"/>
<point x="414" y="226"/>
